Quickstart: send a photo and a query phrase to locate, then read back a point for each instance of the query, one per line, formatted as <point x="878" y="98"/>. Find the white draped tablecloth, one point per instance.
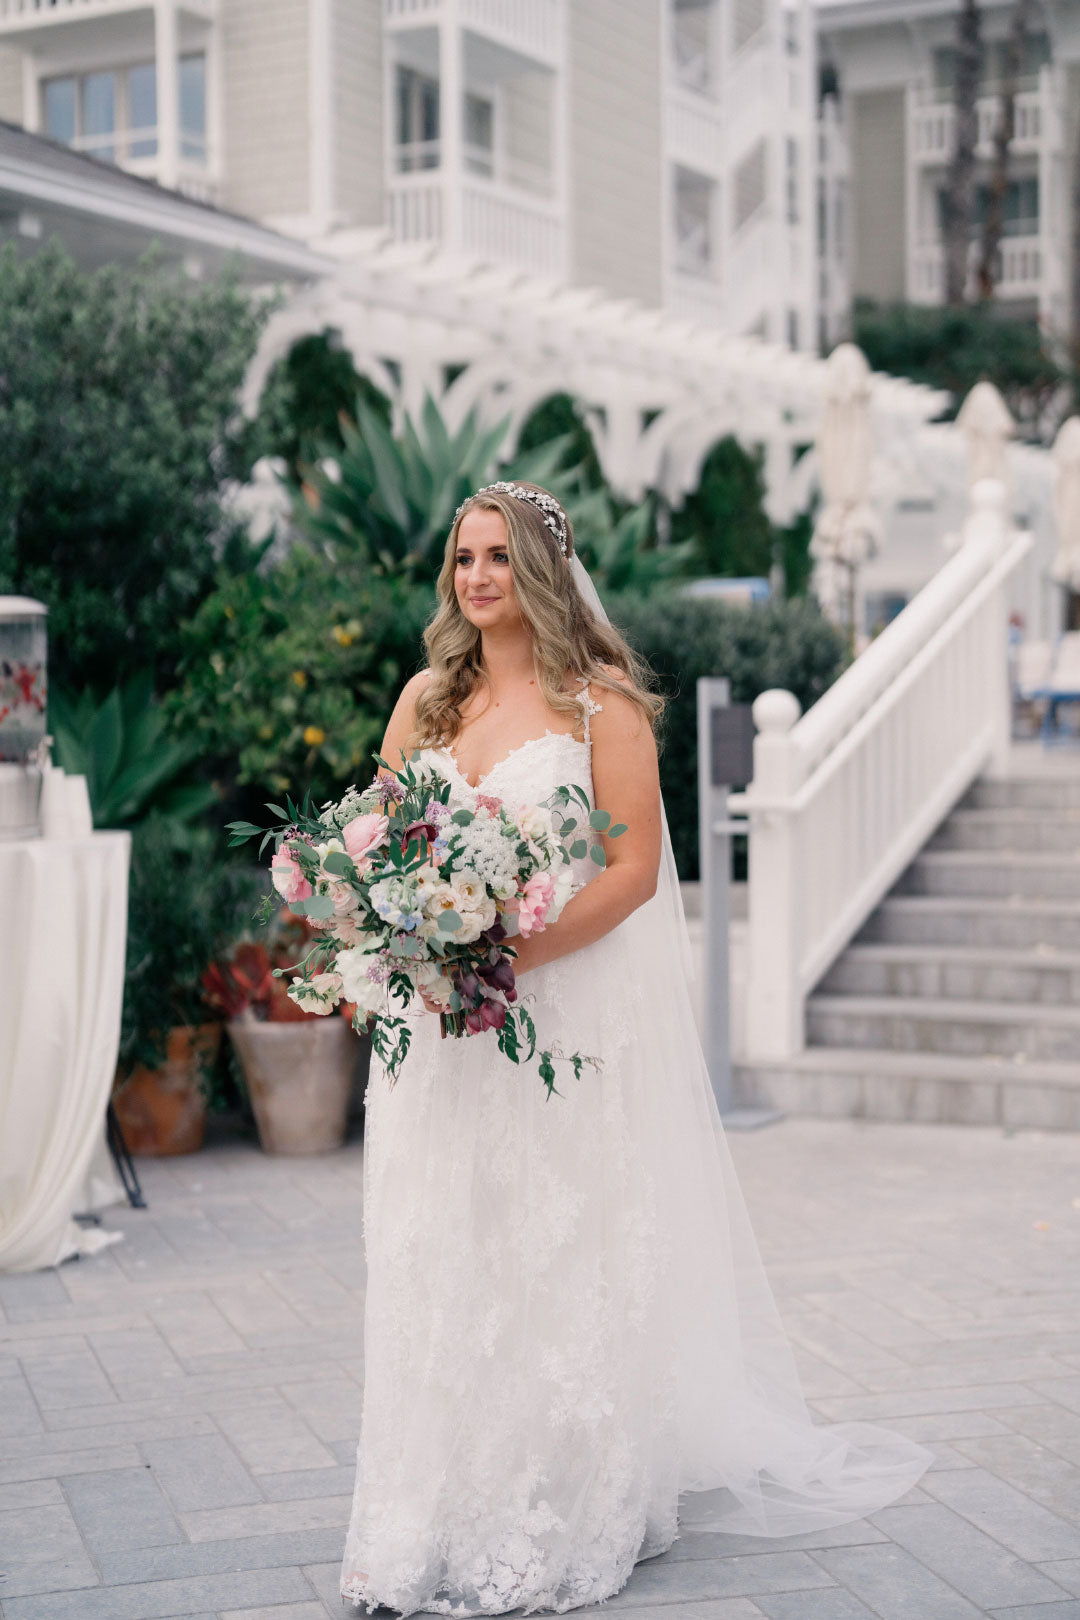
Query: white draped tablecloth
<point x="63" y="932"/>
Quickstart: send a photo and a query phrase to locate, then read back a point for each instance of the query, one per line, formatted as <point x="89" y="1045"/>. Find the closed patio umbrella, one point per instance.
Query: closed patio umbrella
<point x="847" y="530"/>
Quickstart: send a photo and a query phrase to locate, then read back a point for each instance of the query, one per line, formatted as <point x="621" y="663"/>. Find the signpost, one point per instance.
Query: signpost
<point x="725" y="734"/>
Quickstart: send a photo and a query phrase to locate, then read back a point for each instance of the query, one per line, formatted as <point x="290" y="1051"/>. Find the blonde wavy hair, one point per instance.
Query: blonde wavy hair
<point x="569" y="641"/>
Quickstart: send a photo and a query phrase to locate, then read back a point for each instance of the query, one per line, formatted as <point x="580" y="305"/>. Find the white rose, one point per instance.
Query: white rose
<point x="319" y="994"/>
<point x="536" y="823"/>
<point x="356" y="986"/>
<point x="564" y="889"/>
<point x="429" y="977"/>
<point x="442" y="898"/>
<point x="427" y="879"/>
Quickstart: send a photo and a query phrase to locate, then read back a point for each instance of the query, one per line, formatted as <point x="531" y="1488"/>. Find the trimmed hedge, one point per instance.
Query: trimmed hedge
<point x="777" y="643"/>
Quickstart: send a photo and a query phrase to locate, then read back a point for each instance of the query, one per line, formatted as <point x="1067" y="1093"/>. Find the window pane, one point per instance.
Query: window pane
<point x="60" y="109"/>
<point x="142" y="108"/>
<point x="99" y="114"/>
<point x="193" y="108"/>
<point x="479" y="135"/>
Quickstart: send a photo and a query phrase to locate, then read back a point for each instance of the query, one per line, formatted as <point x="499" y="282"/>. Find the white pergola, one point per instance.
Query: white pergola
<point x="658" y="391"/>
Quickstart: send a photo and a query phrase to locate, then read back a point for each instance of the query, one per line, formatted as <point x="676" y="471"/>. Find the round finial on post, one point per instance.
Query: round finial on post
<point x="988" y="495"/>
<point x="775" y="711"/>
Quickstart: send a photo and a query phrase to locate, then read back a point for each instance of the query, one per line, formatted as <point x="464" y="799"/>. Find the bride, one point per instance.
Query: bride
<point x="571" y="1349"/>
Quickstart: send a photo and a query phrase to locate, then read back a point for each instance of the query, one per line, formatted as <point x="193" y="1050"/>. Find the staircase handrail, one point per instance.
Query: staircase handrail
<point x="833" y="819"/>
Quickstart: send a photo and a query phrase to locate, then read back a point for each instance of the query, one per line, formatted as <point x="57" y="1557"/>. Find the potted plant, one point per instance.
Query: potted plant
<point x="298" y="1067"/>
<point x="183" y="901"/>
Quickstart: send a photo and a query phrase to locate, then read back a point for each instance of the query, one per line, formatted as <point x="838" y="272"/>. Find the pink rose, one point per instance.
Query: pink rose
<point x="363" y="834"/>
<point x="287" y="878"/>
<point x="535" y="903"/>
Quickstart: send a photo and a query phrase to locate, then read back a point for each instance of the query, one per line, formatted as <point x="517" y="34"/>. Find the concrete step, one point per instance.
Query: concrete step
<point x="844" y="1083"/>
<point x="989" y="874"/>
<point x="1013" y="924"/>
<point x="945" y="1025"/>
<point x="1037" y="976"/>
<point x="1024" y="831"/>
<point x="1050" y="792"/>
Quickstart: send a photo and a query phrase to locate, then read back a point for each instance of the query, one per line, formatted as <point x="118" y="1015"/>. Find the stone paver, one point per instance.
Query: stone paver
<point x="178" y="1415"/>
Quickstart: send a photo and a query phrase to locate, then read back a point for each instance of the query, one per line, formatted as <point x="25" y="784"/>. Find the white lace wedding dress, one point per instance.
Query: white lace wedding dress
<point x="568" y="1327"/>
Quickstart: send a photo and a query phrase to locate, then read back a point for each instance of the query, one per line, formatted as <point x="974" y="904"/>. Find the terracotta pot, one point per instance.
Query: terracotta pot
<point x="163" y="1111"/>
<point x="299" y="1077"/>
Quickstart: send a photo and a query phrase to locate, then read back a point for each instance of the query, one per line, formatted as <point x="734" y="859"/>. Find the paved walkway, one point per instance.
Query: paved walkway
<point x="178" y="1415"/>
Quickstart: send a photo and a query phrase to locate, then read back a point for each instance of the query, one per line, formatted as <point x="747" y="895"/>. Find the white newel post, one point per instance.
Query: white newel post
<point x="167" y="76"/>
<point x="774" y="1005"/>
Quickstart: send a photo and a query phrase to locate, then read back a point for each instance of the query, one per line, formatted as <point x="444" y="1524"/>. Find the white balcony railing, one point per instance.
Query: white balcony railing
<point x="845" y="798"/>
<point x="695" y="131"/>
<point x="1021" y="269"/>
<point x="35" y="16"/>
<point x="530" y="26"/>
<point x="497" y="223"/>
<point x="933" y="125"/>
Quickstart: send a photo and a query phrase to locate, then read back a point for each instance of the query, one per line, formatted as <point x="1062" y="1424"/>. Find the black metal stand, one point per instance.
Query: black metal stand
<point x="122" y="1159"/>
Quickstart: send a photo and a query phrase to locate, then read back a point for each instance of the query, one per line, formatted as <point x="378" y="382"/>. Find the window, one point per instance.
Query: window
<point x="112" y="114"/>
<point x="142" y="109"/>
<point x="791" y="180"/>
<point x="1020" y="215"/>
<point x="749" y="21"/>
<point x="479" y="135"/>
<point x="791" y="31"/>
<point x="793" y="328"/>
<point x="691" y="52"/>
<point x="60" y="118"/>
<point x="694" y="253"/>
<point x="750" y="185"/>
<point x="416" y="120"/>
<point x="192" y="92"/>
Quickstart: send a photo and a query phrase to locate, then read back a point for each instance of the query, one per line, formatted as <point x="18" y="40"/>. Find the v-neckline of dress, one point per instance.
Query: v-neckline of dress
<point x="485" y="776"/>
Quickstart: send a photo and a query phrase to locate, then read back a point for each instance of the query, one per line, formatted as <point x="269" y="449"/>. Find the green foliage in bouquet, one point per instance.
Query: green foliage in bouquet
<point x="778" y="643"/>
<point x="289" y="675"/>
<point x="186" y="903"/>
<point x="118" y="431"/>
<point x="132" y="767"/>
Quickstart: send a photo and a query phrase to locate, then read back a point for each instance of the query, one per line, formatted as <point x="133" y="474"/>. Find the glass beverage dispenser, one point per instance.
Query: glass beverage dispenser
<point x="22" y="714"/>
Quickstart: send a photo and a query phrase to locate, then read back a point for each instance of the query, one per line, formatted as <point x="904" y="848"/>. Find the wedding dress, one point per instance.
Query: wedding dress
<point x="568" y="1329"/>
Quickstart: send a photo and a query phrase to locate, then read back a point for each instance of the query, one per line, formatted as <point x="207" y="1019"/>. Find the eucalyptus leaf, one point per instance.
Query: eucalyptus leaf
<point x="338" y="864"/>
<point x="449" y="922"/>
<point x="318" y="906"/>
<point x="578" y="849"/>
<point x="600" y="820"/>
<point x="598" y="855"/>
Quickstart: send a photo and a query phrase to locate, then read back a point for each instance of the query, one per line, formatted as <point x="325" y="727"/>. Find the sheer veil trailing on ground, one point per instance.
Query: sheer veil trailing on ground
<point x="751" y="1459"/>
<point x="571" y="1350"/>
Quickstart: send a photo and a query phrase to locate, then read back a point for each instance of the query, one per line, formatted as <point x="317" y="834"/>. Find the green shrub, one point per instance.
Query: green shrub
<point x="118" y="394"/>
<point x="288" y="679"/>
<point x="777" y="643"/>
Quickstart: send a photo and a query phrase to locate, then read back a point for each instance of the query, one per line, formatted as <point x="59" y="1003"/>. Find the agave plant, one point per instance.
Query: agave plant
<point x="390" y="501"/>
<point x="131" y="766"/>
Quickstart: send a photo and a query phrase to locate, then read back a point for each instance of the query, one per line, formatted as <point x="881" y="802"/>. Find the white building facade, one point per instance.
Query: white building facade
<point x="889" y="133"/>
<point x="660" y="150"/>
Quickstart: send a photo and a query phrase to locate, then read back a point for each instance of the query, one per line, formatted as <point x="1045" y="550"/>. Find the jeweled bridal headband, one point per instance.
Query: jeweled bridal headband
<point x="548" y="507"/>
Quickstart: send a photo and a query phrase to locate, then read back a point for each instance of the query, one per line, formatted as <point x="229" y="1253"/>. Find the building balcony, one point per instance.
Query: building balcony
<point x="532" y="28"/>
<point x="695" y="130"/>
<point x="932" y="124"/>
<point x="34" y="22"/>
<point x="1022" y="262"/>
<point x="489" y="219"/>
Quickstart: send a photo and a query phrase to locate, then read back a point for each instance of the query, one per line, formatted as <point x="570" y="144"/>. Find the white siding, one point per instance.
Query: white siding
<point x="265" y="114"/>
<point x="358" y="111"/>
<point x="615" y="146"/>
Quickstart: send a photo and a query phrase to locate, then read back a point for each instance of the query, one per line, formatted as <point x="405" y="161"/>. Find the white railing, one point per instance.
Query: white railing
<point x="843" y="799"/>
<point x="1020" y="268"/>
<point x="933" y="123"/>
<point x="695" y="131"/>
<point x="531" y="26"/>
<point x="498" y="223"/>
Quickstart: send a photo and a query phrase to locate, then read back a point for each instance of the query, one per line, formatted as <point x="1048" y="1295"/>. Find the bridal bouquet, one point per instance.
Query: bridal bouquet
<point x="408" y="894"/>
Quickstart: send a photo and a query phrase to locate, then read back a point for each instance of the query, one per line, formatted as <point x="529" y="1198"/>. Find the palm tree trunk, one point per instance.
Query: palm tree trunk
<point x="1003" y="134"/>
<point x="960" y="177"/>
